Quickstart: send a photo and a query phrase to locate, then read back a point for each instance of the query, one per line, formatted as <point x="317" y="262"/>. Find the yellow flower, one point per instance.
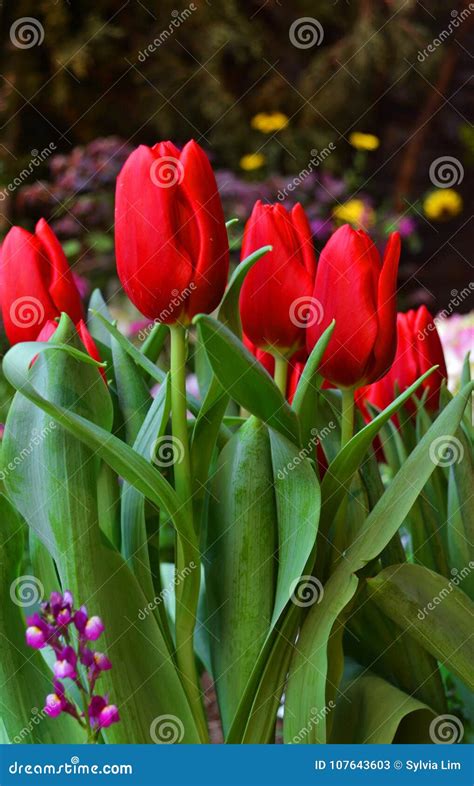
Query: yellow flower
<point x="252" y="161"/>
<point x="355" y="212"/>
<point x="268" y="122"/>
<point x="364" y="141"/>
<point x="442" y="204"/>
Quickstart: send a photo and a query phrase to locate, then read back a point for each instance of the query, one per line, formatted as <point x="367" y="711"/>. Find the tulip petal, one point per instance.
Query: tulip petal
<point x="385" y="344"/>
<point x="209" y="251"/>
<point x="62" y="288"/>
<point x="153" y="265"/>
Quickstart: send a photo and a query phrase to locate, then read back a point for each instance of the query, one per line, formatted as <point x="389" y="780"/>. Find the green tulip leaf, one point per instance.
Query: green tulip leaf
<point x="309" y="668"/>
<point x="435" y="610"/>
<point x="228" y="312"/>
<point x="371" y="711"/>
<point x="245" y="379"/>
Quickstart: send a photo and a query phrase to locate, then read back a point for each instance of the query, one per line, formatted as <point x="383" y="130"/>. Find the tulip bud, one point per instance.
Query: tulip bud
<point x="36" y="283"/>
<point x="418" y="349"/>
<point x="170" y="235"/>
<point x="276" y="301"/>
<point x="356" y="289"/>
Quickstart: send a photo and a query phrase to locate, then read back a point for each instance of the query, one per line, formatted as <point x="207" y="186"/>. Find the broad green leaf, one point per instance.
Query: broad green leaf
<point x="306" y="397"/>
<point x="240" y="561"/>
<point x="133" y="395"/>
<point x="372" y="711"/>
<point x="244" y="378"/>
<point x="437" y="613"/>
<point x="298" y="500"/>
<point x="377" y="643"/>
<point x="205" y="433"/>
<point x="228" y="312"/>
<point x="460" y="532"/>
<point x="307" y="681"/>
<point x="97" y="305"/>
<point x="143" y="685"/>
<point x="25" y="679"/>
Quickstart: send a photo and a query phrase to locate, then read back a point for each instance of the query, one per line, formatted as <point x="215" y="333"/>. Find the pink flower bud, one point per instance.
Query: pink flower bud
<point x="94" y="628"/>
<point x="35" y="637"/>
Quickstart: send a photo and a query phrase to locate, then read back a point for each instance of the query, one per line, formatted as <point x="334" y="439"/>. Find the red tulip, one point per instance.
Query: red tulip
<point x="418" y="349"/>
<point x="356" y="289"/>
<point x="36" y="283"/>
<point x="89" y="344"/>
<point x="170" y="234"/>
<point x="276" y="300"/>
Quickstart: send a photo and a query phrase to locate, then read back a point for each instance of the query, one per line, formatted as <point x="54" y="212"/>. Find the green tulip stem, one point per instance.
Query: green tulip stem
<point x="281" y="373"/>
<point x="347" y="415"/>
<point x="184" y="488"/>
<point x="179" y="422"/>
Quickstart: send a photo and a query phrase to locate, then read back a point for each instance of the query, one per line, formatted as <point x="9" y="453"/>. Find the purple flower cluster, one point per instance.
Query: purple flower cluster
<point x="68" y="631"/>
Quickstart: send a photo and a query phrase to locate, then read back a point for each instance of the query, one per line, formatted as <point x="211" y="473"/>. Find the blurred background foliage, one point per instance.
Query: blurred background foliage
<point x="94" y="89"/>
